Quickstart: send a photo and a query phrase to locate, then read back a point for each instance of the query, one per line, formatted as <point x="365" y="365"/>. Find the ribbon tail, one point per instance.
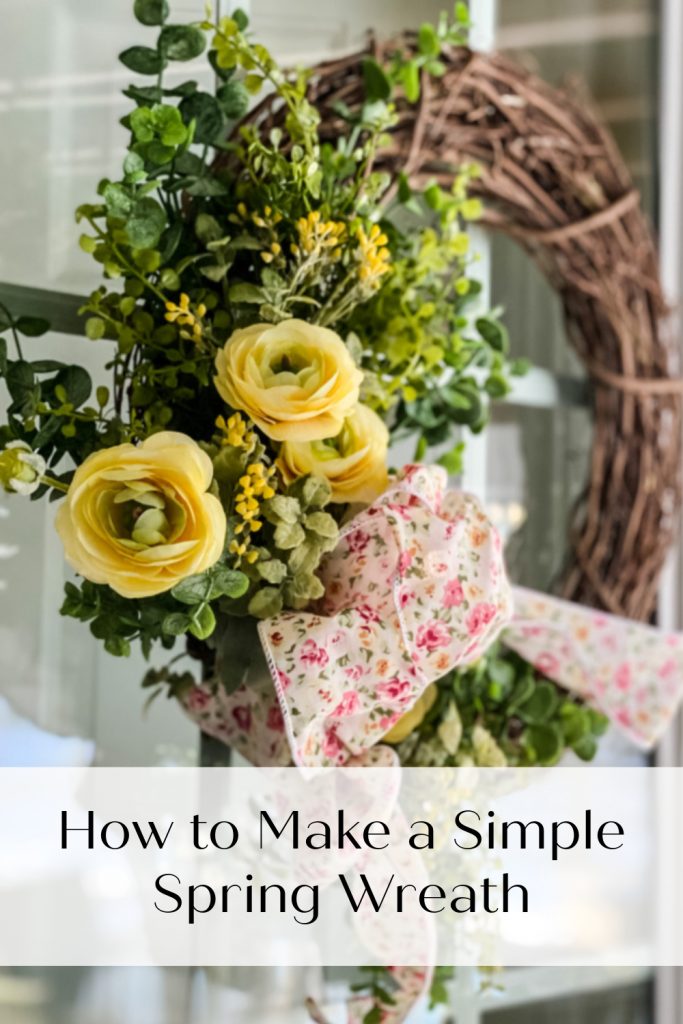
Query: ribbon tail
<point x="631" y="672"/>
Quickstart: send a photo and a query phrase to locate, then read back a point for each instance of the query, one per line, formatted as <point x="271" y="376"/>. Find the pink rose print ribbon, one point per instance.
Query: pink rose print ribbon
<point x="416" y="587"/>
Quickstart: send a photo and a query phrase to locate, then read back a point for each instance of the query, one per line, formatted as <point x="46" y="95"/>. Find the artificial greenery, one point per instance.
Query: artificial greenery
<point x="213" y="225"/>
<point x="502" y="711"/>
<point x="379" y="984"/>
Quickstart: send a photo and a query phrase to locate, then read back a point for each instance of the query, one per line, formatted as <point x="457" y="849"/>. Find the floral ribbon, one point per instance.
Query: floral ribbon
<point x="417" y="586"/>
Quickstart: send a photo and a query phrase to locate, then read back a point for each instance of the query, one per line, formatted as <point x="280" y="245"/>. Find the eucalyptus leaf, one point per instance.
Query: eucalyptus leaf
<point x="229" y="583"/>
<point x="193" y="589"/>
<point x="203" y="622"/>
<point x="176" y="624"/>
<point x="32" y="326"/>
<point x="143" y="60"/>
<point x="76" y="383"/>
<point x="146" y="223"/>
<point x="181" y="42"/>
<point x="206" y="112"/>
<point x="151" y="12"/>
<point x="234" y="100"/>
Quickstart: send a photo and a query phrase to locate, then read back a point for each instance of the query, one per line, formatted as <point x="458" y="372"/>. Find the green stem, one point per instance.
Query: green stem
<point x="13" y="329"/>
<point x="56" y="484"/>
<point x="125" y="263"/>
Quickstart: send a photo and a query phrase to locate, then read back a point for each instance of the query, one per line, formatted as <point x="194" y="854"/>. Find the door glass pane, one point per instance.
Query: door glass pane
<point x="60" y="104"/>
<point x="627" y="1005"/>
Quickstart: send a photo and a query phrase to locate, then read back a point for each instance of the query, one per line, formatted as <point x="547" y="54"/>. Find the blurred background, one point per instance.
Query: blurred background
<point x="62" y="700"/>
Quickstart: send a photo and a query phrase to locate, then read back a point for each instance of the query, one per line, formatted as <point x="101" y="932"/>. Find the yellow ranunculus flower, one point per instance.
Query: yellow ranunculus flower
<point x="354" y="462"/>
<point x="139" y="518"/>
<point x="409" y="722"/>
<point x="296" y="381"/>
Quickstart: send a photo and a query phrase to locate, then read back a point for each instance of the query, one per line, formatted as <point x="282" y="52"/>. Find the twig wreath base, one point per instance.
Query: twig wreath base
<point x="553" y="179"/>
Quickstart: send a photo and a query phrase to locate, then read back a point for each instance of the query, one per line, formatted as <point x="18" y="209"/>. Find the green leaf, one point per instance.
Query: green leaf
<point x="303" y="589"/>
<point x="452" y="460"/>
<point x="3" y="357"/>
<point x="207" y="228"/>
<point x="377" y="84"/>
<point x="133" y="163"/>
<point x="206" y="112"/>
<point x="144" y="95"/>
<point x="497" y="386"/>
<point x="118" y="646"/>
<point x="245" y="292"/>
<point x="32" y="326"/>
<point x="541" y="704"/>
<point x="373" y="1016"/>
<point x="193" y="589"/>
<point x="428" y="40"/>
<point x="229" y="583"/>
<point x="206" y="187"/>
<point x="411" y="82"/>
<point x="265" y="603"/>
<point x="176" y="624"/>
<point x="240" y="18"/>
<point x="462" y="12"/>
<point x="289" y="535"/>
<point x="20" y="379"/>
<point x="272" y="570"/>
<point x="502" y="674"/>
<point x="76" y="383"/>
<point x="524" y="688"/>
<point x="282" y="509"/>
<point x="94" y="328"/>
<point x="181" y="42"/>
<point x="599" y="722"/>
<point x="234" y="100"/>
<point x="586" y="748"/>
<point x="203" y="622"/>
<point x="312" y="491"/>
<point x="143" y="60"/>
<point x="223" y="73"/>
<point x="118" y="200"/>
<point x="151" y="12"/>
<point x="146" y="223"/>
<point x="323" y="524"/>
<point x="169" y="279"/>
<point x="545" y="742"/>
<point x="494" y="333"/>
<point x="520" y="367"/>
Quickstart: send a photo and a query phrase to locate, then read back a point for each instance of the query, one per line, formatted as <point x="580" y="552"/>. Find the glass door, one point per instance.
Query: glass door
<point x="59" y="108"/>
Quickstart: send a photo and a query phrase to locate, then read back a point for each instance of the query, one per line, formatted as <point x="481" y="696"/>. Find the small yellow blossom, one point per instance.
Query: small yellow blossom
<point x="373" y="254"/>
<point x="181" y="314"/>
<point x="316" y="234"/>
<point x="236" y="432"/>
<point x="255" y="487"/>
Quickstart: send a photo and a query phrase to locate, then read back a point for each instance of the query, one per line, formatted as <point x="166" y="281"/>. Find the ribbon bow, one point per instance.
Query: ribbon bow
<point x="417" y="586"/>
